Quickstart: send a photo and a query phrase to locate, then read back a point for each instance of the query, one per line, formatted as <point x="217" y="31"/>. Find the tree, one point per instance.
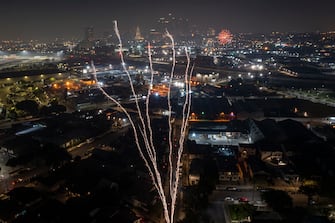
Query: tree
<point x="277" y="199"/>
<point x="309" y="188"/>
<point x="28" y="106"/>
<point x="12" y="114"/>
<point x="240" y="212"/>
<point x="54" y="155"/>
<point x="53" y="108"/>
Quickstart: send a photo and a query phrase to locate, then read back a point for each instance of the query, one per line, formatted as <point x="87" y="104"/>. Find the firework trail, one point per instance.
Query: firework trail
<point x="170" y="109"/>
<point x="147" y="150"/>
<point x="186" y="114"/>
<point x="149" y="163"/>
<point x="156" y="176"/>
<point x="148" y="98"/>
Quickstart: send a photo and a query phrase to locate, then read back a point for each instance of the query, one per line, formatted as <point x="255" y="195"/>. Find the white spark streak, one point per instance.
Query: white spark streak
<point x="186" y="113"/>
<point x="150" y="149"/>
<point x="151" y="168"/>
<point x="148" y="98"/>
<point x="147" y="151"/>
<point x="170" y="109"/>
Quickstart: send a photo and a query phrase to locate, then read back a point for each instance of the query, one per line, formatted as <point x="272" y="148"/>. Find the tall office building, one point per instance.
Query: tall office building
<point x="88" y="41"/>
<point x="178" y="26"/>
<point x="89" y="34"/>
<point x="138" y="36"/>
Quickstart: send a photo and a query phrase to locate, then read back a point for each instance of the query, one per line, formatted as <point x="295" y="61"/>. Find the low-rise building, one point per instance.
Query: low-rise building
<point x="228" y="170"/>
<point x="195" y="172"/>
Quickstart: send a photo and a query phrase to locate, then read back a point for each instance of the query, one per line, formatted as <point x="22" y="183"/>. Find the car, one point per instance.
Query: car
<point x="263" y="189"/>
<point x="312" y="201"/>
<point x="229" y="199"/>
<point x="243" y="199"/>
<point x="231" y="189"/>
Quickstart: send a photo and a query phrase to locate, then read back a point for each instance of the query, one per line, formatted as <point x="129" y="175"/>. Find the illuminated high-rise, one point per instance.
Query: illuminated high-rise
<point x="138" y="36"/>
<point x="89" y="34"/>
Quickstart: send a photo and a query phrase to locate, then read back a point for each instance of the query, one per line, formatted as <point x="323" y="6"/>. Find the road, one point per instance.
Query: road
<point x="216" y="211"/>
<point x="221" y="195"/>
<point x="6" y="124"/>
<point x="219" y="201"/>
<point x="103" y="139"/>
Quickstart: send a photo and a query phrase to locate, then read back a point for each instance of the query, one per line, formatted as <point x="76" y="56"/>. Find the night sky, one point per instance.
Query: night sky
<point x="48" y="19"/>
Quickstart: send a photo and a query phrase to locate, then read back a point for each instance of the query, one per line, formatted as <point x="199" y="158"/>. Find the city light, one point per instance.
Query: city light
<point x="257" y="67"/>
<point x="106" y="120"/>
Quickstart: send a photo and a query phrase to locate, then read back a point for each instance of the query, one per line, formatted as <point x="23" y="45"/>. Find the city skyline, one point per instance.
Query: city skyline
<point x="227" y="117"/>
<point x="63" y="19"/>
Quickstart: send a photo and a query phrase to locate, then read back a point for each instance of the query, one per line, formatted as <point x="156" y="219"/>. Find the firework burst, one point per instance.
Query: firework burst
<point x="225" y="37"/>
